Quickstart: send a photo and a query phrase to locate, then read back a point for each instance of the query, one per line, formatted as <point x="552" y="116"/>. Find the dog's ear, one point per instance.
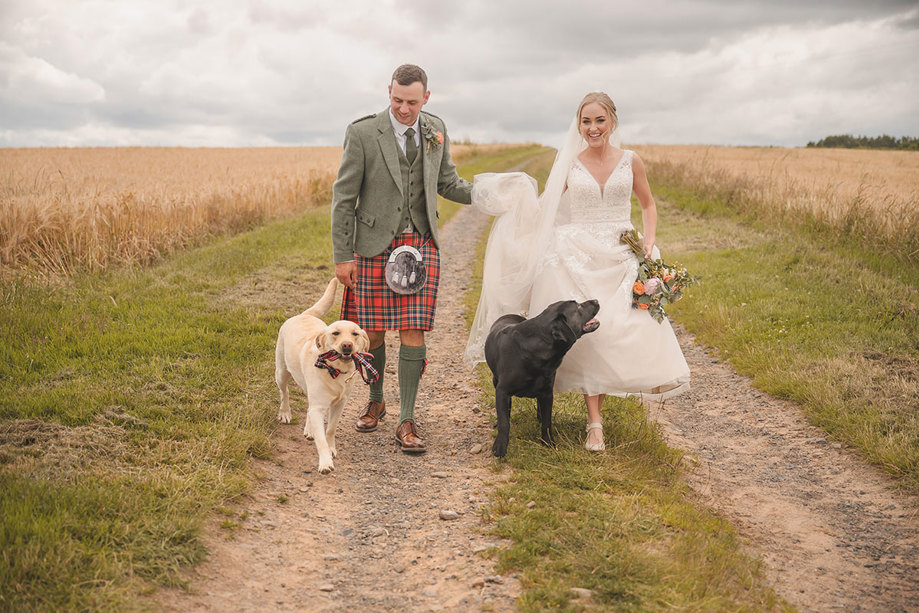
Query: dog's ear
<point x="561" y="331"/>
<point x="322" y="340"/>
<point x="366" y="339"/>
<point x="557" y="333"/>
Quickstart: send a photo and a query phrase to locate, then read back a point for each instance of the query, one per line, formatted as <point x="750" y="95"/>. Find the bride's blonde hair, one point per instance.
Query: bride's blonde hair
<point x="601" y="99"/>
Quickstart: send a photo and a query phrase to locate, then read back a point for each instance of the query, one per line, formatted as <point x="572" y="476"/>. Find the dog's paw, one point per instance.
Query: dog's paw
<point x="306" y="431"/>
<point x="326" y="467"/>
<point x="333" y="449"/>
<point x="499" y="448"/>
<point x="284" y="417"/>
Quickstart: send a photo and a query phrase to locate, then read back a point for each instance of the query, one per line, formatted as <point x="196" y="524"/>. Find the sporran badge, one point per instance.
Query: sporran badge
<point x="405" y="270"/>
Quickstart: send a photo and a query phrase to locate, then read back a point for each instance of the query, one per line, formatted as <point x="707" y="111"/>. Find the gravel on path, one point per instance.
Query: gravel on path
<point x="389" y="531"/>
<point x="386" y="530"/>
<point x="833" y="532"/>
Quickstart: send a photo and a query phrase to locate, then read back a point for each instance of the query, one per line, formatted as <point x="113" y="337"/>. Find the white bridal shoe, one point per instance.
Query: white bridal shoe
<point x="595" y="446"/>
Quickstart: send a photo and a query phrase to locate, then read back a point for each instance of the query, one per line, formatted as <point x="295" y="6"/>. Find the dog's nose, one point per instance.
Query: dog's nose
<point x="347" y="347"/>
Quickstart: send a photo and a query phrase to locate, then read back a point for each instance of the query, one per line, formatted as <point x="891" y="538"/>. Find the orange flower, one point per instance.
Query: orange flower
<point x="667" y="278"/>
<point x="638" y="288"/>
<point x="643" y="307"/>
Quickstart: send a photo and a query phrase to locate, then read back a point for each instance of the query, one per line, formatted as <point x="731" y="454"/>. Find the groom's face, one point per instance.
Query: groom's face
<point x="406" y="101"/>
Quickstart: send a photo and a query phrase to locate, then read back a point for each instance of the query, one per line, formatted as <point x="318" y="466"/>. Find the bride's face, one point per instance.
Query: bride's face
<point x="596" y="126"/>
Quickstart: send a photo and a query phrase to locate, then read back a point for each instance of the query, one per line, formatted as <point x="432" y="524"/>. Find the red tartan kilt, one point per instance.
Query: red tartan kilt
<point x="373" y="306"/>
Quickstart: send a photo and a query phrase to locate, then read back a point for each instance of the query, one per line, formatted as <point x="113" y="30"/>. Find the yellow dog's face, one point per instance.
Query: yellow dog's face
<point x="344" y="337"/>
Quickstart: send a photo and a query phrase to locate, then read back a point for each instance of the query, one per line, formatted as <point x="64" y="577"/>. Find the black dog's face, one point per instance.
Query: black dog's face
<point x="572" y="320"/>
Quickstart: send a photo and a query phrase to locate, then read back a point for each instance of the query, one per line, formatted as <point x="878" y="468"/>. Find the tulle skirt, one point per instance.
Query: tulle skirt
<point x="630" y="354"/>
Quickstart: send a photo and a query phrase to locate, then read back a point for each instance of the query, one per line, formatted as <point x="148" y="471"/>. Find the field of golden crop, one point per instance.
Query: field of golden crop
<point x="871" y="194"/>
<point x="67" y="209"/>
<point x="88" y="208"/>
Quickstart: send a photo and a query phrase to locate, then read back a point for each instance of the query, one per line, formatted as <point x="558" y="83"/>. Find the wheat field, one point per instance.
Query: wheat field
<point x="63" y="210"/>
<point x="871" y="194"/>
<point x="88" y="208"/>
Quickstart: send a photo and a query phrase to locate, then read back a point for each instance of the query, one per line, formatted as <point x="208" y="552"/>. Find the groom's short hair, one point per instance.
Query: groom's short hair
<point x="406" y="74"/>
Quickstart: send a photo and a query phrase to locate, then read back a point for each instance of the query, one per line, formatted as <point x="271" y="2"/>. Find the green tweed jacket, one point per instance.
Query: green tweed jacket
<point x="368" y="190"/>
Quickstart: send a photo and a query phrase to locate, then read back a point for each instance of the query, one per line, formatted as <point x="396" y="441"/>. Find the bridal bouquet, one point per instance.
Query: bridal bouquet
<point x="658" y="284"/>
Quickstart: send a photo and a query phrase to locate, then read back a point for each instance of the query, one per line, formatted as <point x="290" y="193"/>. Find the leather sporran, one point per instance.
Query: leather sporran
<point x="405" y="271"/>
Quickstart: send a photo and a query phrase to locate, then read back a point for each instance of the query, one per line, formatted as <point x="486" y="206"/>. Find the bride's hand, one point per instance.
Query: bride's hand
<point x="649" y="247"/>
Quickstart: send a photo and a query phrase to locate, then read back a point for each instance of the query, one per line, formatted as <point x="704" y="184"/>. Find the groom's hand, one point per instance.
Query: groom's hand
<point x="346" y="273"/>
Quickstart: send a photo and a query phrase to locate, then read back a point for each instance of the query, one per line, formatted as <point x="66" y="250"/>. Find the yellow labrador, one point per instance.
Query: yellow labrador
<point x="304" y="341"/>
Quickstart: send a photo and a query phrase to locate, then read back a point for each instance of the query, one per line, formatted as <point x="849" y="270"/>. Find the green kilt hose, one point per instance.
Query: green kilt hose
<point x="374" y="306"/>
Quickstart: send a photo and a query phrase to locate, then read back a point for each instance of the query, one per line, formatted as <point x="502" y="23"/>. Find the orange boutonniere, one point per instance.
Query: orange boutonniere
<point x="432" y="138"/>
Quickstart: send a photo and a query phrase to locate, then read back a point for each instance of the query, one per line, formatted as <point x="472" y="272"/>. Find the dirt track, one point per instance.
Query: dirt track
<point x="369" y="536"/>
<point x="832" y="532"/>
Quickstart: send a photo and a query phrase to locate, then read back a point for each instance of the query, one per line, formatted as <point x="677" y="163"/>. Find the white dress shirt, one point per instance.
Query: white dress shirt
<point x="399" y="129"/>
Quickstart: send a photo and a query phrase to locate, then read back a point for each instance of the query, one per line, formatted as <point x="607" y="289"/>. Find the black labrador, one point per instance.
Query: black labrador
<point x="524" y="354"/>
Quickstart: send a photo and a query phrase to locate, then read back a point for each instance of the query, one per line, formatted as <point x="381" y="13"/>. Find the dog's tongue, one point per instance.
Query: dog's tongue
<point x="591" y="325"/>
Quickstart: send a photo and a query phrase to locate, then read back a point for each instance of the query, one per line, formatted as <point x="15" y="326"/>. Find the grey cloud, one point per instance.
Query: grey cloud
<point x="580" y="29"/>
<point x="909" y="21"/>
<point x="297" y="72"/>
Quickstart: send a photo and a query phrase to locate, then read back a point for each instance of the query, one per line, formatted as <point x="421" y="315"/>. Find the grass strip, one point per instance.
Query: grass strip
<point x="813" y="318"/>
<point x="506" y="159"/>
<point x="131" y="402"/>
<point x="621" y="524"/>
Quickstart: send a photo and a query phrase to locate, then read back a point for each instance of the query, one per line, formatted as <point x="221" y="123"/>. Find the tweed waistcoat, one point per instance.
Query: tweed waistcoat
<point x="414" y="207"/>
<point x="368" y="196"/>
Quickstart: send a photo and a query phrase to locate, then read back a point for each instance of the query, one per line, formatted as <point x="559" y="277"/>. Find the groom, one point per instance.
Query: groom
<point x="393" y="166"/>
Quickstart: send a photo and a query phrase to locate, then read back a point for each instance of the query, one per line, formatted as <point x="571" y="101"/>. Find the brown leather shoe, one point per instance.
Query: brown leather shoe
<point x="371" y="415"/>
<point x="408" y="438"/>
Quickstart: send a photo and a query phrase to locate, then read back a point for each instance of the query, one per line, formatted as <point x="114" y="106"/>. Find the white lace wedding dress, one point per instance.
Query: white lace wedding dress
<point x="630" y="354"/>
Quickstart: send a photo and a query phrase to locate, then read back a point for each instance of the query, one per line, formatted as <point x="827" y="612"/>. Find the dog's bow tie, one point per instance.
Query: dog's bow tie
<point x="362" y="361"/>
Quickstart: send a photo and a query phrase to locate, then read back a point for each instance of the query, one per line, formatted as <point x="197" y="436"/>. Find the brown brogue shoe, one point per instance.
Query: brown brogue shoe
<point x="371" y="415"/>
<point x="408" y="438"/>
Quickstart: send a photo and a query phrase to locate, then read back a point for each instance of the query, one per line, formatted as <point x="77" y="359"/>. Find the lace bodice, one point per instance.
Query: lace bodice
<point x="589" y="204"/>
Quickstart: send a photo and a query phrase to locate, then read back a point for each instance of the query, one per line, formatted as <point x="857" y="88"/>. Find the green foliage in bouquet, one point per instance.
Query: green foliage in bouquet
<point x="658" y="284"/>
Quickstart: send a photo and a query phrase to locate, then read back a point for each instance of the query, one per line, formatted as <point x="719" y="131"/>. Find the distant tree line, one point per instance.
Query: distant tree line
<point x="847" y="141"/>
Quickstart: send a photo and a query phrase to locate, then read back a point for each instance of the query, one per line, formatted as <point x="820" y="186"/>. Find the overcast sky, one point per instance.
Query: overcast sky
<point x="263" y="72"/>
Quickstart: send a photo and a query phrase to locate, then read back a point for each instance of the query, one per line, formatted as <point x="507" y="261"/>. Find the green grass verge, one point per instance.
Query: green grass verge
<point x="812" y="318"/>
<point x="507" y="159"/>
<point x="130" y="404"/>
<point x="621" y="524"/>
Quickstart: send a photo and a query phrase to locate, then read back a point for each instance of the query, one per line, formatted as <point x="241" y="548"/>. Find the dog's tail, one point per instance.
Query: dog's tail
<point x="325" y="303"/>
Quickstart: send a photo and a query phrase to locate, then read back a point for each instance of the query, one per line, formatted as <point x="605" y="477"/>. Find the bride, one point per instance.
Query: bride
<point x="565" y="245"/>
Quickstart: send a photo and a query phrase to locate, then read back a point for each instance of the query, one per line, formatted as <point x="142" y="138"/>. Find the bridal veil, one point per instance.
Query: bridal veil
<point x="520" y="233"/>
